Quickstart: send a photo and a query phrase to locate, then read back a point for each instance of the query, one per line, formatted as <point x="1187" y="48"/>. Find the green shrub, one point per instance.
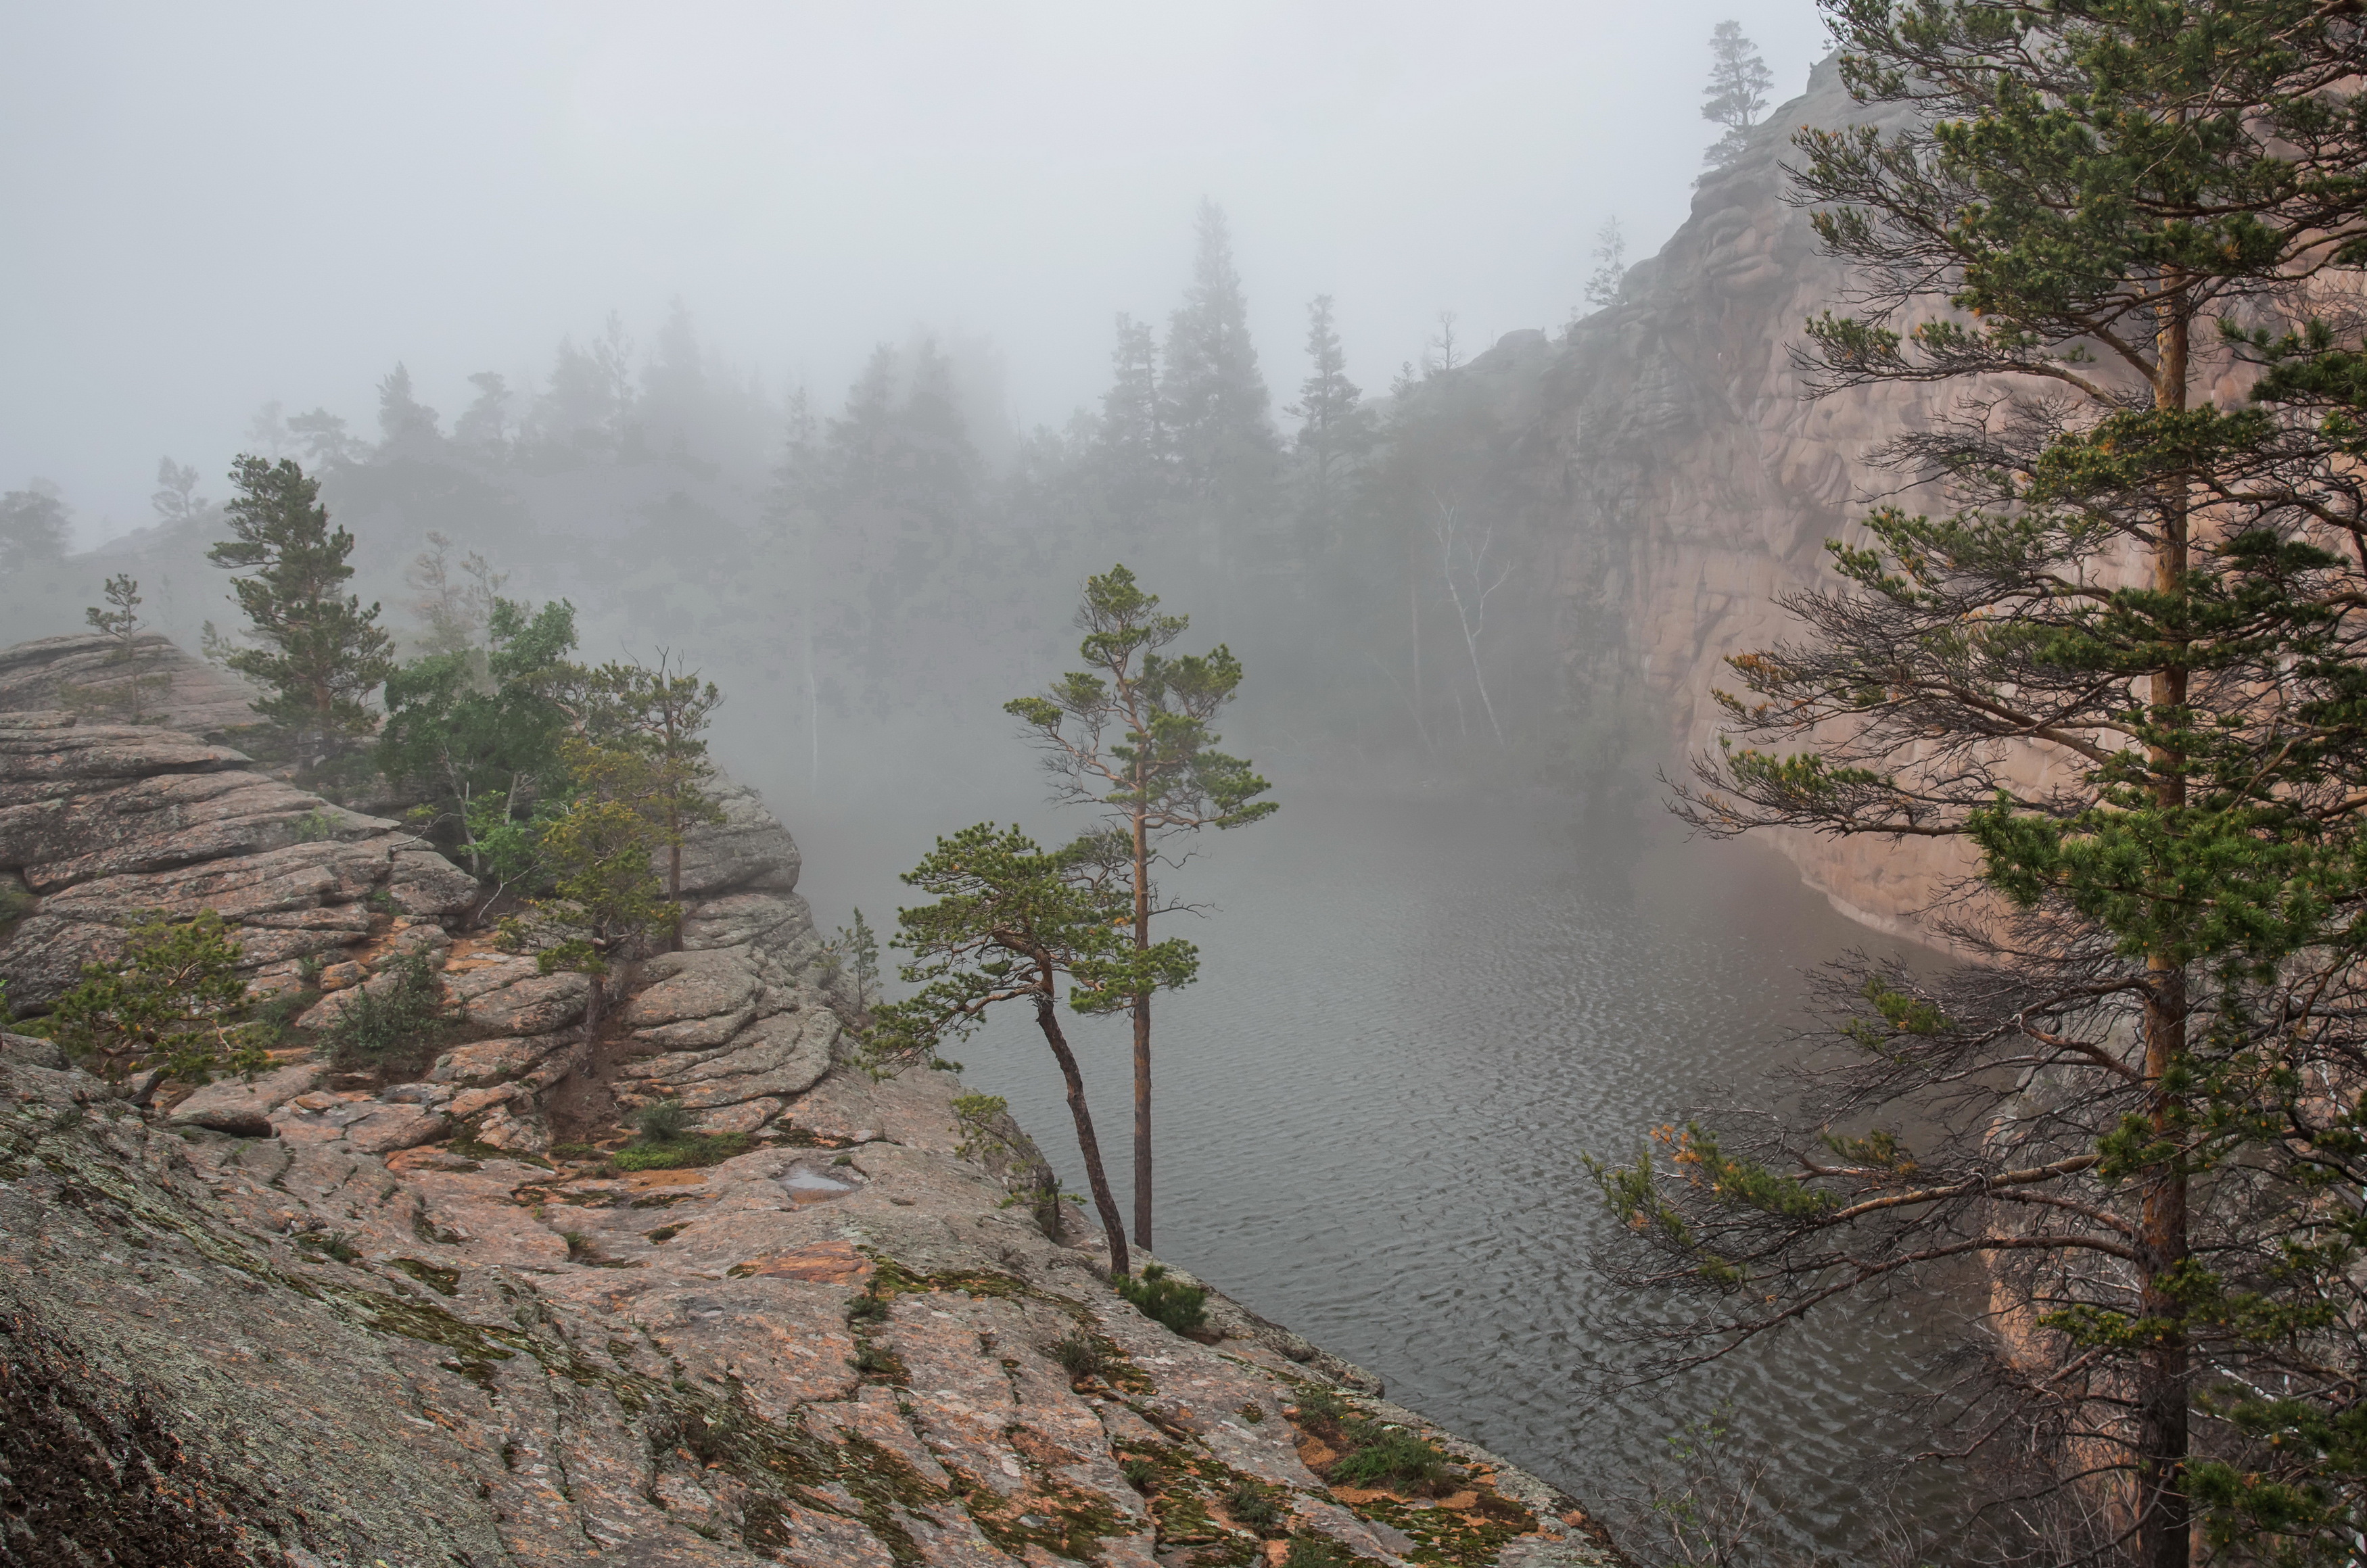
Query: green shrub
<point x="1080" y="1355"/>
<point x="1181" y="1308"/>
<point x="394" y="1028"/>
<point x="687" y="1154"/>
<point x="664" y="1122"/>
<point x="1141" y="1473"/>
<point x="1321" y="1406"/>
<point x="277" y="1013"/>
<point x="333" y="1243"/>
<point x="1392" y="1458"/>
<point x="1317" y="1551"/>
<point x="866" y="1308"/>
<point x="1252" y="1506"/>
<point x="877" y="1361"/>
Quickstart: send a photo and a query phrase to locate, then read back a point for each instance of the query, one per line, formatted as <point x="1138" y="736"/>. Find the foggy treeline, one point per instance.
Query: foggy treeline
<point x="901" y="555"/>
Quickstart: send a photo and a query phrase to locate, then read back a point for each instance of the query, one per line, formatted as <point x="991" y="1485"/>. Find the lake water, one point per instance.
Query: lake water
<point x="1413" y="1017"/>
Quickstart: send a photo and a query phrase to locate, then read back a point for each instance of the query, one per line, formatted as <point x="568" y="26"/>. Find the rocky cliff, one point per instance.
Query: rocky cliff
<point x="1676" y="478"/>
<point x="376" y="1317"/>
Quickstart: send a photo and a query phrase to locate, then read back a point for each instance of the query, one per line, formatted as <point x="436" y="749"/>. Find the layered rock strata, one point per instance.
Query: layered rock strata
<point x="87" y="672"/>
<point x="104" y="825"/>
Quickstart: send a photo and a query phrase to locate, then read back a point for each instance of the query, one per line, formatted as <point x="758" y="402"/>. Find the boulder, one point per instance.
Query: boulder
<point x="749" y="849"/>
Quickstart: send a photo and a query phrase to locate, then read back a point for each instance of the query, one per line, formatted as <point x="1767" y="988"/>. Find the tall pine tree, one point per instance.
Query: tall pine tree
<point x="2125" y="674"/>
<point x="320" y="653"/>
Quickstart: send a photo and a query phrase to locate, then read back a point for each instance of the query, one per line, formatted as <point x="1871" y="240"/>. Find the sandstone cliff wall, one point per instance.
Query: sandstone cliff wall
<point x="1689" y="481"/>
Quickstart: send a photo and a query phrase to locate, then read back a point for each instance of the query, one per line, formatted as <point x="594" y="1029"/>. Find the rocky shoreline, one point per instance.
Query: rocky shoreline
<point x="315" y="1318"/>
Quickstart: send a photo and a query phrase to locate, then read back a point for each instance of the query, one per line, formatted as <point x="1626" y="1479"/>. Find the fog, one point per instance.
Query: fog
<point x="210" y="208"/>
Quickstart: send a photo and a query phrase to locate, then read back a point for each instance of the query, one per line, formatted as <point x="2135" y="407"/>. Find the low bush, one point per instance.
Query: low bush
<point x="392" y="1029"/>
<point x="1252" y="1504"/>
<point x="1393" y="1458"/>
<point x="690" y="1153"/>
<point x="1163" y="1299"/>
<point x="1080" y="1355"/>
<point x="1321" y="1406"/>
<point x="1141" y="1473"/>
<point x="664" y="1122"/>
<point x="1317" y="1551"/>
<point x="867" y="1308"/>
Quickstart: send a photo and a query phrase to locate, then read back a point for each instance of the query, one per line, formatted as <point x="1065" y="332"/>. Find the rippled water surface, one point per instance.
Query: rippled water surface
<point x="1412" y="1019"/>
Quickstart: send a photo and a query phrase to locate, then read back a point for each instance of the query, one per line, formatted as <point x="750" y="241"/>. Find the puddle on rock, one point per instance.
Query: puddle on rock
<point x="807" y="1185"/>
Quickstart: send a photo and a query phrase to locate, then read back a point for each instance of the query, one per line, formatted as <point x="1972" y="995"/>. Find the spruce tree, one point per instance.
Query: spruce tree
<point x="321" y="653"/>
<point x="1133" y="450"/>
<point x="2123" y="673"/>
<point x="1212" y="396"/>
<point x="1335" y="429"/>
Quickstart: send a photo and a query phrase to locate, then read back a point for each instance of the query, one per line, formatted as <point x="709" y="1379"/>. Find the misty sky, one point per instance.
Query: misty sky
<point x="210" y="206"/>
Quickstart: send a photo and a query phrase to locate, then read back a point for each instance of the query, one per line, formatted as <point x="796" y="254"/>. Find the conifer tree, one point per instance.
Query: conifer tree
<point x="120" y="624"/>
<point x="1131" y="735"/>
<point x="1736" y="93"/>
<point x="1012" y="924"/>
<point x="32" y="528"/>
<point x="321" y="653"/>
<point x="175" y="499"/>
<point x="1133" y="449"/>
<point x="657" y="714"/>
<point x="2125" y="674"/>
<point x="1610" y="264"/>
<point x="1335" y="429"/>
<point x="1212" y="396"/>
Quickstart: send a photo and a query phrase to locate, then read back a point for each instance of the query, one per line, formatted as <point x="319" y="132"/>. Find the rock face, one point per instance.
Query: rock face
<point x="104" y="824"/>
<point x="1672" y="479"/>
<point x="84" y="672"/>
<point x="289" y="1322"/>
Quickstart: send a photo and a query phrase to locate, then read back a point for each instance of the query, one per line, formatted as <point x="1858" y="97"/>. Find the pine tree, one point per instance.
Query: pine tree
<point x="404" y="424"/>
<point x="328" y="442"/>
<point x="176" y="500"/>
<point x="1610" y="264"/>
<point x="657" y="714"/>
<point x="1335" y="429"/>
<point x="175" y="1005"/>
<point x="120" y="624"/>
<point x="2125" y="674"/>
<point x="1212" y="396"/>
<point x="321" y="652"/>
<point x="1012" y="924"/>
<point x="1131" y="737"/>
<point x="1737" y="95"/>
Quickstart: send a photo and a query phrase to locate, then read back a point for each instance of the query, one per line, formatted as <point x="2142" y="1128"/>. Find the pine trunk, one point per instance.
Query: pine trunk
<point x="1047" y="1018"/>
<point x="1141" y="1038"/>
<point x="2164" y="1515"/>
